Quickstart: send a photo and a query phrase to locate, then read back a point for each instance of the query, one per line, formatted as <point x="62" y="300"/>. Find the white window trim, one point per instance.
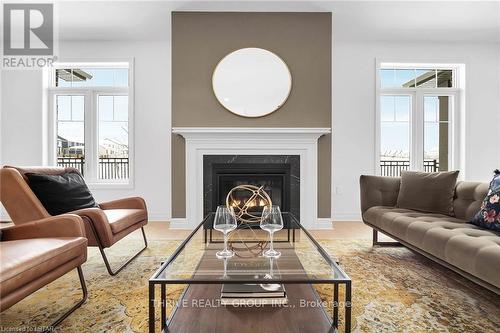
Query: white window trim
<point x="90" y="95"/>
<point x="456" y="118"/>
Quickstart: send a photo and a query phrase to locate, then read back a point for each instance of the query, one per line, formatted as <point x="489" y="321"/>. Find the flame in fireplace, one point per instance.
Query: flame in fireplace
<point x="235" y="203"/>
<point x="252" y="203"/>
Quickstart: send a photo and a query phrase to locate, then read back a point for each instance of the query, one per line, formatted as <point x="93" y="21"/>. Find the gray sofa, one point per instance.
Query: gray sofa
<point x="465" y="248"/>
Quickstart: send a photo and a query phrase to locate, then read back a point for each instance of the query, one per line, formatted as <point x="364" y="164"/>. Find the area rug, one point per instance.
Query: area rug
<point x="394" y="290"/>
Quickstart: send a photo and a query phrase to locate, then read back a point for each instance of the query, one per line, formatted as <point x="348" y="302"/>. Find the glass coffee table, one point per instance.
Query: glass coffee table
<point x="196" y="274"/>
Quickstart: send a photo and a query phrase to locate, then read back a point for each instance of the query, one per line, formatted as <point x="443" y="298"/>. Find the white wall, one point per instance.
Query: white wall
<point x="22" y="117"/>
<point x="21" y="122"/>
<point x="354" y="110"/>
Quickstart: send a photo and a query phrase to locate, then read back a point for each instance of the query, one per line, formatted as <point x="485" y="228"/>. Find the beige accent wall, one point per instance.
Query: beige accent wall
<point x="201" y="39"/>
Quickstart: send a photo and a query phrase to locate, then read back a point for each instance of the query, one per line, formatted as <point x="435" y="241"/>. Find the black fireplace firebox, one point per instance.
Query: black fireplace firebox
<point x="279" y="175"/>
<point x="273" y="178"/>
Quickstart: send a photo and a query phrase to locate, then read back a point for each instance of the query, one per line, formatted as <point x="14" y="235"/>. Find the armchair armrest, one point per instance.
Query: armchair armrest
<point x="127" y="203"/>
<point x="66" y="225"/>
<point x="378" y="191"/>
<point x="94" y="218"/>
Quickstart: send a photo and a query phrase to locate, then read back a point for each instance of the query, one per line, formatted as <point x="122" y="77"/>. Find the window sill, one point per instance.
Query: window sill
<point x="110" y="186"/>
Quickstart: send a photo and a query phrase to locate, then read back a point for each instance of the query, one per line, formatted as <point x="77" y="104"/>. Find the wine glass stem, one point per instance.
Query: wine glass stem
<point x="225" y="242"/>
<point x="271" y="234"/>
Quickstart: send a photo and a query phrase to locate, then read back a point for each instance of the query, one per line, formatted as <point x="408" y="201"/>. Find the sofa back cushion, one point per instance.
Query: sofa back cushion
<point x="61" y="193"/>
<point x="468" y="199"/>
<point x="431" y="192"/>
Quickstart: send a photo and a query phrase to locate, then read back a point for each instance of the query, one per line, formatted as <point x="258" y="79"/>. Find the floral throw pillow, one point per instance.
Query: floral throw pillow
<point x="489" y="215"/>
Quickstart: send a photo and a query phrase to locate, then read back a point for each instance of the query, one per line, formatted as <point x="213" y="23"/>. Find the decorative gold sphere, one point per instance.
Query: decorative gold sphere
<point x="257" y="198"/>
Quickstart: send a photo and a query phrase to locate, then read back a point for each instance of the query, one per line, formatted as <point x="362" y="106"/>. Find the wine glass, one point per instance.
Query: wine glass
<point x="271" y="222"/>
<point x="225" y="222"/>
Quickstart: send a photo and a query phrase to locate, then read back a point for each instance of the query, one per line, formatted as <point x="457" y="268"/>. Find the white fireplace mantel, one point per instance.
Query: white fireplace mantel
<point x="311" y="133"/>
<point x="201" y="141"/>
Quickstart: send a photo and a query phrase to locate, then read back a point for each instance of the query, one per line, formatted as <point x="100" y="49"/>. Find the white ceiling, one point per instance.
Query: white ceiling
<point x="402" y="21"/>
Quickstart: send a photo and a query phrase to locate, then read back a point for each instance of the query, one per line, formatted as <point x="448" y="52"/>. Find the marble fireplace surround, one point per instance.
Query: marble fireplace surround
<point x="202" y="141"/>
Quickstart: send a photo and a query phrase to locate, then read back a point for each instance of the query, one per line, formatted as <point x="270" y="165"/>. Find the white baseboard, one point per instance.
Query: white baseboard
<point x="321" y="224"/>
<point x="347" y="216"/>
<point x="180" y="223"/>
<point x="156" y="216"/>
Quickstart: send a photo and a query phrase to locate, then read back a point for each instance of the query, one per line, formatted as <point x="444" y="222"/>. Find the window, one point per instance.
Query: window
<point x="90" y="120"/>
<point x="417" y="117"/>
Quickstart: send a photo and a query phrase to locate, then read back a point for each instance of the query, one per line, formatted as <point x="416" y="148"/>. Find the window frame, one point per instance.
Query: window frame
<point x="91" y="120"/>
<point x="417" y="122"/>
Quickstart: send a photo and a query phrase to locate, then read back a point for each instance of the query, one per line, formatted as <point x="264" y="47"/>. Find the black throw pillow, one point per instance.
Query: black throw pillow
<point x="61" y="193"/>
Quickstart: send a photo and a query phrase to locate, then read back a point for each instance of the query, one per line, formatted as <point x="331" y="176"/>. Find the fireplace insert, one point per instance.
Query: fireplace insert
<point x="273" y="178"/>
<point x="277" y="175"/>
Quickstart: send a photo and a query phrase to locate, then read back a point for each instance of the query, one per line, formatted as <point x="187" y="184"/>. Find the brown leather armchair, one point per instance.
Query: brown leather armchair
<point x="104" y="225"/>
<point x="36" y="253"/>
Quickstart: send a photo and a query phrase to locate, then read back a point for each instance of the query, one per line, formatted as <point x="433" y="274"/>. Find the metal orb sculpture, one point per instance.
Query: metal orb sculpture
<point x="256" y="197"/>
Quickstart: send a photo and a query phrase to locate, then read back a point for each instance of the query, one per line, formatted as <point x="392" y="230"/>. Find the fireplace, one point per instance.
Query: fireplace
<point x="208" y="145"/>
<point x="278" y="175"/>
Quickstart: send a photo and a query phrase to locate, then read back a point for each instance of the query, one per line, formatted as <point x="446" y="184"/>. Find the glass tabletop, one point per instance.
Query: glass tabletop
<point x="302" y="259"/>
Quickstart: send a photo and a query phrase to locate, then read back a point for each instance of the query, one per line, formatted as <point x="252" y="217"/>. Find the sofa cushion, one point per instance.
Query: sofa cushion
<point x="463" y="245"/>
<point x="61" y="193"/>
<point x="489" y="215"/>
<point x="22" y="261"/>
<point x="468" y="199"/>
<point x="121" y="219"/>
<point x="431" y="192"/>
<point x="397" y="220"/>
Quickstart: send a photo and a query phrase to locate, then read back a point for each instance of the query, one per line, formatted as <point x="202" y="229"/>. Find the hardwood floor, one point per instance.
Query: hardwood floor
<point x="158" y="230"/>
<point x="341" y="230"/>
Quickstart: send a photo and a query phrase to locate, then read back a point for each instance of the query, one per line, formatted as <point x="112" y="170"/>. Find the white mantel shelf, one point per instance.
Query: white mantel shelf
<point x="251" y="133"/>
<point x="252" y="130"/>
<point x="202" y="141"/>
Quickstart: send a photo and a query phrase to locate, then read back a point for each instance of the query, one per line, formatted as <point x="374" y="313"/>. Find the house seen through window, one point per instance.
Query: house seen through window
<point x="91" y="120"/>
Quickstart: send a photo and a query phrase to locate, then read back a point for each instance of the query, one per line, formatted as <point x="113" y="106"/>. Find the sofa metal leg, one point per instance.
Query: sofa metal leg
<point x="52" y="326"/>
<point x="105" y="258"/>
<point x="377" y="243"/>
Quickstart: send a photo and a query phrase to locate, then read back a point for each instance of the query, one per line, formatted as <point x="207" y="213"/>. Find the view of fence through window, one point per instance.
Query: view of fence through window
<point x="414" y="117"/>
<point x="395" y="112"/>
<point x="113" y="136"/>
<point x="84" y="95"/>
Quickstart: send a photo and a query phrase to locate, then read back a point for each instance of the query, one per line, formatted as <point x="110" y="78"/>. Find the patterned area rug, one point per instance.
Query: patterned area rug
<point x="394" y="290"/>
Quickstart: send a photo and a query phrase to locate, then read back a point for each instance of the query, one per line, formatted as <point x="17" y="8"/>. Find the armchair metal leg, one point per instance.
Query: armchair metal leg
<point x="376" y="242"/>
<point x="105" y="258"/>
<point x="52" y="326"/>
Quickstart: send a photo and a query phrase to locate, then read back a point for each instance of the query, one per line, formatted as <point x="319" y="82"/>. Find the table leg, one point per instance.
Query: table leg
<point x="163" y="307"/>
<point x="151" y="308"/>
<point x="348" y="305"/>
<point x="336" y="305"/>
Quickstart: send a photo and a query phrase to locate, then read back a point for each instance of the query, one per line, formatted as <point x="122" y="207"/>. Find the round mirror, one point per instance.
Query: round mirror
<point x="252" y="82"/>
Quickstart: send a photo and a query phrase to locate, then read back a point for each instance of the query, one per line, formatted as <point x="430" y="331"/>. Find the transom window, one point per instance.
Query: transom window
<point x="91" y="113"/>
<point x="417" y="117"/>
